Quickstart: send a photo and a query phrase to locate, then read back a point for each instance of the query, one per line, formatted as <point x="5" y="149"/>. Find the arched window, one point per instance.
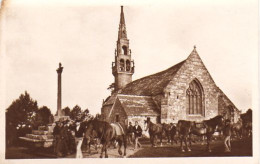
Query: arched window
<point x="124" y="50"/>
<point x="128" y="65"/>
<point x="122" y="65"/>
<point x="194" y="98"/>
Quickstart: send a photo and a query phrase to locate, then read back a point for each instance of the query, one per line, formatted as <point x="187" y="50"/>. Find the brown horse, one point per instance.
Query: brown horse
<point x="237" y="129"/>
<point x="107" y="133"/>
<point x="247" y="122"/>
<point x="186" y="128"/>
<point x="155" y="130"/>
<point x="170" y="132"/>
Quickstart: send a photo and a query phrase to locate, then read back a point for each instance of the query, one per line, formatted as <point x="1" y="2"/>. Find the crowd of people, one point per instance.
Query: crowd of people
<point x="68" y="138"/>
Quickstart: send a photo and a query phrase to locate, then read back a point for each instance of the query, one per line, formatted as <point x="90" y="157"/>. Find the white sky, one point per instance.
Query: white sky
<point x="35" y="37"/>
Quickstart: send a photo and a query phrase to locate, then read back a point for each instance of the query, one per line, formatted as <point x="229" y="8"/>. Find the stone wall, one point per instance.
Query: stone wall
<point x="105" y="110"/>
<point x="175" y="92"/>
<point x="118" y="110"/>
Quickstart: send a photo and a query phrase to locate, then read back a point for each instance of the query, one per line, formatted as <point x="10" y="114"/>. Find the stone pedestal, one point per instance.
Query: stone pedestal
<point x="40" y="138"/>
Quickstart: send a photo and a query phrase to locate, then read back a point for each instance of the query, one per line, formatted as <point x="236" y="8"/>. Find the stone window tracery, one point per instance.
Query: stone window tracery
<point x="194" y="98"/>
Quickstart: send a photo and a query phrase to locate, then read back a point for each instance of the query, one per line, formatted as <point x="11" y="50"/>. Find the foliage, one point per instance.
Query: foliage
<point x="43" y="116"/>
<point x="22" y="111"/>
<point x="75" y="112"/>
<point x="66" y="111"/>
<point x="111" y="87"/>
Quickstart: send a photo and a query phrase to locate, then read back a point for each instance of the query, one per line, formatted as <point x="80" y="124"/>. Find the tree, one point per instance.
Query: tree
<point x="111" y="87"/>
<point x="22" y="110"/>
<point x="76" y="112"/>
<point x="85" y="114"/>
<point x="66" y="111"/>
<point x="43" y="116"/>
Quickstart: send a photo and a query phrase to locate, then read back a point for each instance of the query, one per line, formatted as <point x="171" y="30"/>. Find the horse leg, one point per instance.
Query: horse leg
<point x="151" y="139"/>
<point x="161" y="138"/>
<point x="208" y="143"/>
<point x="119" y="146"/>
<point x="125" y="145"/>
<point x="106" y="156"/>
<point x="102" y="150"/>
<point x="182" y="140"/>
<point x="188" y="145"/>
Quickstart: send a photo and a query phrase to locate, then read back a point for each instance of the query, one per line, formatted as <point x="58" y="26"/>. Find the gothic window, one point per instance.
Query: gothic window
<point x="122" y="65"/>
<point x="128" y="65"/>
<point x="194" y="98"/>
<point x="124" y="50"/>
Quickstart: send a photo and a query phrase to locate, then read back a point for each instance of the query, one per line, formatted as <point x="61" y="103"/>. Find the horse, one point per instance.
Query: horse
<point x="155" y="130"/>
<point x="237" y="129"/>
<point x="107" y="133"/>
<point x="170" y="132"/>
<point x="186" y="128"/>
<point x="247" y="122"/>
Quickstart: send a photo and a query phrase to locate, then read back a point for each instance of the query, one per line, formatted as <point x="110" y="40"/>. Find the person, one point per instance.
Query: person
<point x="62" y="146"/>
<point x="79" y="138"/>
<point x="227" y="135"/>
<point x="130" y="133"/>
<point x="137" y="134"/>
<point x="56" y="134"/>
<point x="71" y="140"/>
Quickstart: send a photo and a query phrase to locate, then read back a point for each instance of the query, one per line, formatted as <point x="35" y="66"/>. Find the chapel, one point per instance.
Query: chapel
<point x="185" y="91"/>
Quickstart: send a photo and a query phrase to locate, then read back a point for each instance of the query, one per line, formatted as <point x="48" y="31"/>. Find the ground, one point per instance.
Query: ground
<point x="239" y="148"/>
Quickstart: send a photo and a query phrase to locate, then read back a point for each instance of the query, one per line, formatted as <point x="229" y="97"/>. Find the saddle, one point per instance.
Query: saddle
<point x="117" y="129"/>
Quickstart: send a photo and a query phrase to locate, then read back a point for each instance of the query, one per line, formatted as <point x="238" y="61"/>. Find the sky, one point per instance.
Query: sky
<point x="35" y="37"/>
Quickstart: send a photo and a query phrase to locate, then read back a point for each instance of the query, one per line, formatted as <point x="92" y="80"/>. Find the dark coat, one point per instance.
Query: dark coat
<point x="227" y="130"/>
<point x="79" y="132"/>
<point x="137" y="131"/>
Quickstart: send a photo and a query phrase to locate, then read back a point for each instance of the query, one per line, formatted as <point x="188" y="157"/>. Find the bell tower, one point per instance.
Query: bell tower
<point x="123" y="66"/>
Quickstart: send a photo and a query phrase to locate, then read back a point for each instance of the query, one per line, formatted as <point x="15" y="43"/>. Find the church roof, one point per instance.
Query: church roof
<point x="138" y="105"/>
<point x="153" y="84"/>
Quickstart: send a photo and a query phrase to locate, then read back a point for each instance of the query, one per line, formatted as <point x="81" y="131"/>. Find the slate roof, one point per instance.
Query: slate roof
<point x="138" y="105"/>
<point x="110" y="100"/>
<point x="153" y="84"/>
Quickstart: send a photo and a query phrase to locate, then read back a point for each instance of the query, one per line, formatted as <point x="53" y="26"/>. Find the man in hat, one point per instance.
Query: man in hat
<point x="56" y="134"/>
<point x="227" y="135"/>
<point x="130" y="133"/>
<point x="63" y="144"/>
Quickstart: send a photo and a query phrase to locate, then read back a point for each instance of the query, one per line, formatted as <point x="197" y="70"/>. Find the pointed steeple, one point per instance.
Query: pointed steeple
<point x="122" y="18"/>
<point x="122" y="28"/>
<point x="123" y="66"/>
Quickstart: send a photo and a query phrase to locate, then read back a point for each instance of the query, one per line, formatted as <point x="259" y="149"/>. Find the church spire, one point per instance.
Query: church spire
<point x="122" y="27"/>
<point x="123" y="66"/>
<point x="122" y="18"/>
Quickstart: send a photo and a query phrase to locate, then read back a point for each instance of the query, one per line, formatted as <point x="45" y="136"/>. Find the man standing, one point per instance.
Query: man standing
<point x="130" y="133"/>
<point x="227" y="134"/>
<point x="137" y="133"/>
<point x="56" y="134"/>
<point x="79" y="130"/>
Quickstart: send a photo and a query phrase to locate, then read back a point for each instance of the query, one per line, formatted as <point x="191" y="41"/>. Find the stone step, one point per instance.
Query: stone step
<point x="41" y="132"/>
<point x="38" y="143"/>
<point x="43" y="128"/>
<point x="39" y="137"/>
